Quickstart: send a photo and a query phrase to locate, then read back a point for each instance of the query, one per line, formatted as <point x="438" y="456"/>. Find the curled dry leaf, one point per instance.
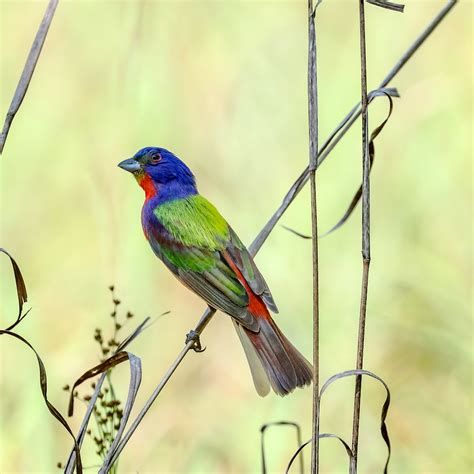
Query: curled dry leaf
<point x="385" y="406"/>
<point x="108" y="364"/>
<point x="69" y="468"/>
<point x="44" y="390"/>
<point x="325" y="149"/>
<point x="264" y="428"/>
<point x="22" y="298"/>
<point x="322" y="435"/>
<point x="299" y="234"/>
<point x="20" y="290"/>
<point x="355" y="200"/>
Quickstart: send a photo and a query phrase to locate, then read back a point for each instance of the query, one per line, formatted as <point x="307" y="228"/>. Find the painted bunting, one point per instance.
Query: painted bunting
<point x="200" y="248"/>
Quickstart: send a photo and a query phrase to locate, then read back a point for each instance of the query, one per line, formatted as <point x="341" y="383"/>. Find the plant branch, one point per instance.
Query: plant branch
<point x="297" y="186"/>
<point x="347" y="122"/>
<point x="313" y="161"/>
<point x="28" y="70"/>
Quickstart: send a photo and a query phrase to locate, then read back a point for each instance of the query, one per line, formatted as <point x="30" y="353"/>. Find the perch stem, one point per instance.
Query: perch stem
<point x="365" y="237"/>
<point x="205" y="318"/>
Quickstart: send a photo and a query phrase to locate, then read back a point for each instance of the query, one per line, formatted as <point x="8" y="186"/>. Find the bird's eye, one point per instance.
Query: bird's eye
<point x="155" y="158"/>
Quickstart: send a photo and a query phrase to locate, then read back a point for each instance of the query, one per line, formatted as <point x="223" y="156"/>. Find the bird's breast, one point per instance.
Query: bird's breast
<point x="155" y="232"/>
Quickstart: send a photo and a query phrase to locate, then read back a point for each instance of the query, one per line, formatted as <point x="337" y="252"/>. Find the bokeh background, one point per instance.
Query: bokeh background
<point x="223" y="85"/>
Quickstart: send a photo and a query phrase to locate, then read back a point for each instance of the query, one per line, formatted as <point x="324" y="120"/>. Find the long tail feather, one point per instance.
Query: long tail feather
<point x="284" y="366"/>
<point x="259" y="376"/>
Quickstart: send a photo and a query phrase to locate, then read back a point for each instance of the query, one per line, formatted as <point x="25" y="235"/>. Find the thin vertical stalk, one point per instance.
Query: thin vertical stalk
<point x="313" y="160"/>
<point x="365" y="237"/>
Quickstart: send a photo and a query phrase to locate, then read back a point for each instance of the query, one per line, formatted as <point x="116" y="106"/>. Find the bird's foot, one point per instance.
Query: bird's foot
<point x="194" y="336"/>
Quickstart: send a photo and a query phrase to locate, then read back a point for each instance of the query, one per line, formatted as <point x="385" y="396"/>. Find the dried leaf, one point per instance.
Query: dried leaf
<point x="397" y="7"/>
<point x="349" y="119"/>
<point x="104" y="366"/>
<point x="385" y="407"/>
<point x="358" y="194"/>
<point x="135" y="333"/>
<point x="262" y="441"/>
<point x="299" y="234"/>
<point x="134" y="385"/>
<point x="322" y="435"/>
<point x="82" y="430"/>
<point x="327" y="147"/>
<point x="44" y="390"/>
<point x="20" y="290"/>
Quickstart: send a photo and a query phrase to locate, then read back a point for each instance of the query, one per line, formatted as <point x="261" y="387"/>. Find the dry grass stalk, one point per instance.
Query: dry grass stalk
<point x="28" y="70"/>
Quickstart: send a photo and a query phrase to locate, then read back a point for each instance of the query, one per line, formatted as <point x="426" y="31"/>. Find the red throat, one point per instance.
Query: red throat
<point x="148" y="185"/>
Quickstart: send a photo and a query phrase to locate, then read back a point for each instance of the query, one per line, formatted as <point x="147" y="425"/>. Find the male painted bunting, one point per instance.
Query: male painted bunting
<point x="201" y="249"/>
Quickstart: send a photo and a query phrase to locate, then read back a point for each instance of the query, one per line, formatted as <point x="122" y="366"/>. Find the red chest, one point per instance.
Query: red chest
<point x="148" y="186"/>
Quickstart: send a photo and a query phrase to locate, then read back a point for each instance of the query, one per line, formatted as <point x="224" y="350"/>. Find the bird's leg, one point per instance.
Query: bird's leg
<point x="194" y="336"/>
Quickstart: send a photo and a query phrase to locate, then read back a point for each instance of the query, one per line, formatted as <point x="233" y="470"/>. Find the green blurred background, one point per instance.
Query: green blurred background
<point x="223" y="85"/>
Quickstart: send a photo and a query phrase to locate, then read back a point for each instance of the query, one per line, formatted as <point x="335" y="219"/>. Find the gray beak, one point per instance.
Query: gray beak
<point x="129" y="165"/>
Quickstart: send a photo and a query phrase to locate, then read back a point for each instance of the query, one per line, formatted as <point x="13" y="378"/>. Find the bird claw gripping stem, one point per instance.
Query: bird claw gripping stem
<point x="194" y="336"/>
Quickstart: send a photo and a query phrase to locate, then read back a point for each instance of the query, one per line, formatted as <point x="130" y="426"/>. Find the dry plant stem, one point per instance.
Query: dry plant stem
<point x="419" y="41"/>
<point x="28" y="70"/>
<point x="327" y="147"/>
<point x="330" y="143"/>
<point x="365" y="236"/>
<point x="203" y="322"/>
<point x="313" y="152"/>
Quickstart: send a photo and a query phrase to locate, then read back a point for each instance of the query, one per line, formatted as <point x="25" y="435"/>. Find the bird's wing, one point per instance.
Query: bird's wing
<point x="190" y="236"/>
<point x="244" y="261"/>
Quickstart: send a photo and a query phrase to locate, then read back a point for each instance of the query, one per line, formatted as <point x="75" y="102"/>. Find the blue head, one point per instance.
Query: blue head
<point x="161" y="174"/>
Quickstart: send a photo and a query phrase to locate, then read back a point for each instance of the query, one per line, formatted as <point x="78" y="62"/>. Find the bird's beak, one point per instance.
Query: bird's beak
<point x="129" y="165"/>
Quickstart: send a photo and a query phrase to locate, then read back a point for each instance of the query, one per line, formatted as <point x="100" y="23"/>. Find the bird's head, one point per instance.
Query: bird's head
<point x="160" y="173"/>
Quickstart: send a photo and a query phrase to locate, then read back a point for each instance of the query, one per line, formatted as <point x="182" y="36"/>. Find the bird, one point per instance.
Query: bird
<point x="194" y="241"/>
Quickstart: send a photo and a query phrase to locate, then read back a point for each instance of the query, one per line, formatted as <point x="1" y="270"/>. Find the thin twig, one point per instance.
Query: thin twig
<point x="297" y="186"/>
<point x="365" y="235"/>
<point x="28" y="70"/>
<point x="313" y="160"/>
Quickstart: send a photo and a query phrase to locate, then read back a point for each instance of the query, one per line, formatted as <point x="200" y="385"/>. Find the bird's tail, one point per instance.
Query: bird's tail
<point x="273" y="360"/>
